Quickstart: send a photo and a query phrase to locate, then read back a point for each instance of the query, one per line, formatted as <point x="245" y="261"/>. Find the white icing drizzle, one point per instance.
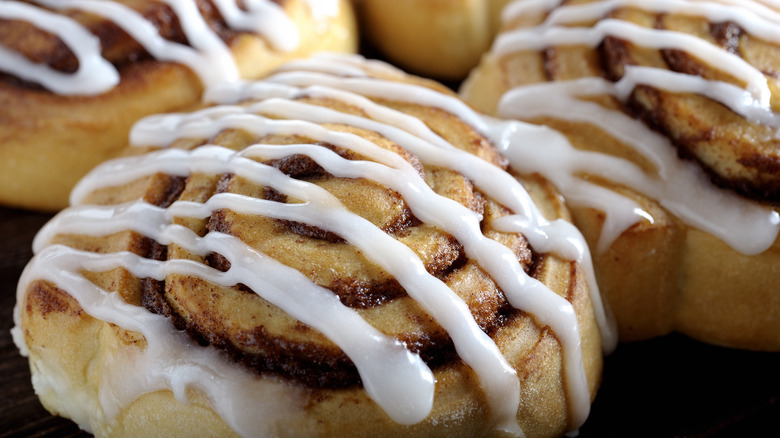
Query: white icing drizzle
<point x="340" y="64"/>
<point x="385" y="365"/>
<point x="94" y="72"/>
<point x="681" y="187"/>
<point x="208" y="56"/>
<point x="321" y="209"/>
<point x="170" y="360"/>
<point x="323" y="8"/>
<point x="538" y="38"/>
<point x="502" y="186"/>
<point x="264" y="18"/>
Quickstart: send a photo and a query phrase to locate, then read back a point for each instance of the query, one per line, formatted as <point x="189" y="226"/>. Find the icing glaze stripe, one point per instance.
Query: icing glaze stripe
<point x="170" y="360"/>
<point x="540" y="38"/>
<point x="94" y="72"/>
<point x="209" y="57"/>
<point x="385" y="365"/>
<point x="264" y="18"/>
<point x="681" y="186"/>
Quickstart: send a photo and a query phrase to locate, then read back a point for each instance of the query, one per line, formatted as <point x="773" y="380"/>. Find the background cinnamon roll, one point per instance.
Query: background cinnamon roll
<point x="75" y="75"/>
<point x="439" y="39"/>
<point x="667" y="152"/>
<point x="337" y="250"/>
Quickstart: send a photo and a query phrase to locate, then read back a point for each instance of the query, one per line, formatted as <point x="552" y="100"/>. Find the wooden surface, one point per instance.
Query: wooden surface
<point x="670" y="387"/>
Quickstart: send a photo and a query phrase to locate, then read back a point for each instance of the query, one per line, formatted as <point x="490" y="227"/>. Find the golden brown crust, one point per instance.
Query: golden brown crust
<point x="50" y="140"/>
<point x="54" y="140"/>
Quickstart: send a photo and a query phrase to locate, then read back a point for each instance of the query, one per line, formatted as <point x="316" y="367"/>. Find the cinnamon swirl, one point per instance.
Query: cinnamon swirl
<point x="76" y="74"/>
<point x="336" y="250"/>
<point x="665" y="115"/>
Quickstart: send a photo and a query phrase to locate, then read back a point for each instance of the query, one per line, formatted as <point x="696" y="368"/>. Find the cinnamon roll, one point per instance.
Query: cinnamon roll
<point x="76" y="74"/>
<point x="665" y="115"/>
<point x="336" y="250"/>
<point x="443" y="40"/>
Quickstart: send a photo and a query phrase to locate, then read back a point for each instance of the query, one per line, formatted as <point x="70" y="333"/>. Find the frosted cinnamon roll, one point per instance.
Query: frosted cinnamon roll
<point x="76" y="74"/>
<point x="667" y="151"/>
<point x="440" y="39"/>
<point x="337" y="250"/>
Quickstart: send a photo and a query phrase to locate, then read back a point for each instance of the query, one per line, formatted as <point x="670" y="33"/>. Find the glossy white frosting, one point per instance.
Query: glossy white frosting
<point x="680" y="186"/>
<point x="207" y="55"/>
<point x="94" y="73"/>
<point x="393" y="377"/>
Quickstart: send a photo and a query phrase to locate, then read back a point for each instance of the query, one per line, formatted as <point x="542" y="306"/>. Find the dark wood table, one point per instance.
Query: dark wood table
<point x="668" y="387"/>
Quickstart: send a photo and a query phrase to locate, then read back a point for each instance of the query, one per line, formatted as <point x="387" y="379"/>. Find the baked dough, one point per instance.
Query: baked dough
<point x="433" y="38"/>
<point x="328" y="244"/>
<point x="680" y="244"/>
<point x="69" y="103"/>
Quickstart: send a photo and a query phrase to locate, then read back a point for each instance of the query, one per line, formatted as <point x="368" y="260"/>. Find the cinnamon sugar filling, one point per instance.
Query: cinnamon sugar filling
<point x="296" y="351"/>
<point x="756" y="174"/>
